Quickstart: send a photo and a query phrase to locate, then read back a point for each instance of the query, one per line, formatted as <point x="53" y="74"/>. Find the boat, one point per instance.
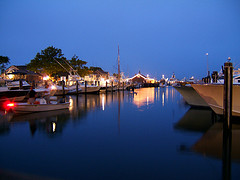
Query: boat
<point x="40" y="105"/>
<point x="19" y="84"/>
<point x="213" y="95"/>
<point x="12" y="95"/>
<point x="90" y="89"/>
<point x="190" y="95"/>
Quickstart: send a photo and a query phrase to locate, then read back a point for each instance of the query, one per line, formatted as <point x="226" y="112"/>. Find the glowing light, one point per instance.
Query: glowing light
<point x="10" y="105"/>
<point x="103" y="103"/>
<point x="45" y="78"/>
<point x="163" y="99"/>
<point x="53" y="87"/>
<point x="71" y="104"/>
<point x="10" y="76"/>
<point x="54" y="126"/>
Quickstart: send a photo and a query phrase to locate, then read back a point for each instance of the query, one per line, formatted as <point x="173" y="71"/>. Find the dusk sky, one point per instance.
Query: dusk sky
<point x="155" y="36"/>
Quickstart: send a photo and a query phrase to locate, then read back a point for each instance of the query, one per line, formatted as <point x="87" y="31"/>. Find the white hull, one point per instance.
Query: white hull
<point x="90" y="89"/>
<point x="213" y="95"/>
<point x="191" y="96"/>
<point x="29" y="108"/>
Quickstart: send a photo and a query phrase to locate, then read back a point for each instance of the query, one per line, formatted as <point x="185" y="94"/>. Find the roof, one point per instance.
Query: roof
<point x="19" y="70"/>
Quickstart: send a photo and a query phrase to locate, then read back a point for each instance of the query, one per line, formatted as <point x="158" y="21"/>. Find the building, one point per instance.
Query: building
<point x="142" y="80"/>
<point x="21" y="72"/>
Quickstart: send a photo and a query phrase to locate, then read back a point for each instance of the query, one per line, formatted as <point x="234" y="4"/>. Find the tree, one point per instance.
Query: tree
<point x="46" y="61"/>
<point x="78" y="65"/>
<point x="4" y="60"/>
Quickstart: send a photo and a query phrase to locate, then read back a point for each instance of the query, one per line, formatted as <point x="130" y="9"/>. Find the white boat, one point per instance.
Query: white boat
<point x="90" y="89"/>
<point x="16" y="85"/>
<point x="213" y="95"/>
<point x="73" y="90"/>
<point x="30" y="108"/>
<point x="190" y="95"/>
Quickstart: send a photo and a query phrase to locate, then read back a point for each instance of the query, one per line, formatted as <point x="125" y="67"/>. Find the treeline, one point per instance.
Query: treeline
<point x="52" y="62"/>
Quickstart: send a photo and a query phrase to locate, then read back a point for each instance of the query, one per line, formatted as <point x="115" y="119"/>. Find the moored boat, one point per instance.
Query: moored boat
<point x="213" y="95"/>
<point x="39" y="107"/>
<point x="191" y="96"/>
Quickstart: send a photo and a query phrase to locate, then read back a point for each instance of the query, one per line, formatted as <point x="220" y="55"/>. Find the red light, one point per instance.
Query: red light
<point x="10" y="105"/>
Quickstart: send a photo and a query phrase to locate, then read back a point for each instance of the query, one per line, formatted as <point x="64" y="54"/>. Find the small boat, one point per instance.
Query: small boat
<point x="40" y="105"/>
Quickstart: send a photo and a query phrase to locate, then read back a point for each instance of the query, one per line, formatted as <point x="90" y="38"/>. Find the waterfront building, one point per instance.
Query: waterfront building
<point x="20" y="72"/>
<point x="141" y="80"/>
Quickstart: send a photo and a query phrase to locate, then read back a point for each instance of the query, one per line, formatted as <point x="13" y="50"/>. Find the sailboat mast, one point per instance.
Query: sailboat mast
<point x="118" y="68"/>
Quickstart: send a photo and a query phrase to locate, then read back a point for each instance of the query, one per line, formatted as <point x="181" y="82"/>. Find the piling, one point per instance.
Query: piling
<point x="215" y="76"/>
<point x="228" y="86"/>
<point x="20" y="84"/>
<point x="112" y="86"/>
<point x="63" y="90"/>
<point x="85" y="87"/>
<point x="123" y="86"/>
<point x="77" y="87"/>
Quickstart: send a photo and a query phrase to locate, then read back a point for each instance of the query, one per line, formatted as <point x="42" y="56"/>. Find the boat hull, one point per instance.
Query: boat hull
<point x="191" y="96"/>
<point x="213" y="95"/>
<point x="30" y="108"/>
<point x="90" y="89"/>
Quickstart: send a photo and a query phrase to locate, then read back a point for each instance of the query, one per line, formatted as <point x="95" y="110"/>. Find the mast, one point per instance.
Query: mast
<point x="118" y="68"/>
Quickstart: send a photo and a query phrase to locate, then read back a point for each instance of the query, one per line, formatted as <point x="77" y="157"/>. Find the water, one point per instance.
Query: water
<point x="151" y="134"/>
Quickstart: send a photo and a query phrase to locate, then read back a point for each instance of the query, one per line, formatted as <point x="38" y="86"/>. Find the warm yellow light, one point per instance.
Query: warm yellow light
<point x="54" y="126"/>
<point x="10" y="76"/>
<point x="53" y="87"/>
<point x="45" y="78"/>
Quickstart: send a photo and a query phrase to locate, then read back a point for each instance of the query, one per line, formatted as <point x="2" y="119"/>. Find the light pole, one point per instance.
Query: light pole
<point x="207" y="64"/>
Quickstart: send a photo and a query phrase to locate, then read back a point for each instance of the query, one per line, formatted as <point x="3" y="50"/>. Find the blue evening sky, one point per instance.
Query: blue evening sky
<point x="155" y="36"/>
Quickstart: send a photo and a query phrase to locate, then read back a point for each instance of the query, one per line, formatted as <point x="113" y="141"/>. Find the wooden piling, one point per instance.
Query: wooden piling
<point x="77" y="86"/>
<point x="85" y="87"/>
<point x="228" y="86"/>
<point x="20" y="84"/>
<point x="63" y="89"/>
<point x="112" y="86"/>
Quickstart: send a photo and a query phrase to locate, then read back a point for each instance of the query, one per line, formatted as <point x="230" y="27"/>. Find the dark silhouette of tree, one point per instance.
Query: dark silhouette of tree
<point x="4" y="60"/>
<point x="46" y="61"/>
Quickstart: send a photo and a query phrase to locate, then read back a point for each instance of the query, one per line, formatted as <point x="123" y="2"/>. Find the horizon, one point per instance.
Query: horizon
<point x="156" y="37"/>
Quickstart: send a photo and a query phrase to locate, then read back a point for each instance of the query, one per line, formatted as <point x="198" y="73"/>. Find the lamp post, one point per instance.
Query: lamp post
<point x="207" y="64"/>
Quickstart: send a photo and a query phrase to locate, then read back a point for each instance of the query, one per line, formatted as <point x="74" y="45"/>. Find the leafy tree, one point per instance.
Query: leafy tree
<point x="4" y="60"/>
<point x="92" y="68"/>
<point x="78" y="65"/>
<point x="46" y="61"/>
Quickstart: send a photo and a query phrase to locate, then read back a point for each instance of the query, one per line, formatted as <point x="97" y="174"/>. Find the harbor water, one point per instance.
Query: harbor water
<point x="149" y="134"/>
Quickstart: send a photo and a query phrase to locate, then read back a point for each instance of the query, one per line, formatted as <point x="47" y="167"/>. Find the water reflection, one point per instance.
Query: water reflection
<point x="195" y="119"/>
<point x="143" y="96"/>
<point x="215" y="142"/>
<point x="211" y="143"/>
<point x="53" y="122"/>
<point x="106" y="131"/>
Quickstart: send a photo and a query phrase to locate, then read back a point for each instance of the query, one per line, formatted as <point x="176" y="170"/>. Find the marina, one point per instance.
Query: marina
<point x="119" y="90"/>
<point x="149" y="134"/>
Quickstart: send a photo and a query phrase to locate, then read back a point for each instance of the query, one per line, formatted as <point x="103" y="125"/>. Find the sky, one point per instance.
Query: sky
<point x="155" y="37"/>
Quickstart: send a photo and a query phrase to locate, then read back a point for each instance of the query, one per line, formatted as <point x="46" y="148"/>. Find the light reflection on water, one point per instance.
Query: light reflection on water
<point x="148" y="134"/>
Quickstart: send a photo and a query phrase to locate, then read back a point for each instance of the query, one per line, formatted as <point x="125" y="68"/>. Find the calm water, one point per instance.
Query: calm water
<point x="149" y="135"/>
